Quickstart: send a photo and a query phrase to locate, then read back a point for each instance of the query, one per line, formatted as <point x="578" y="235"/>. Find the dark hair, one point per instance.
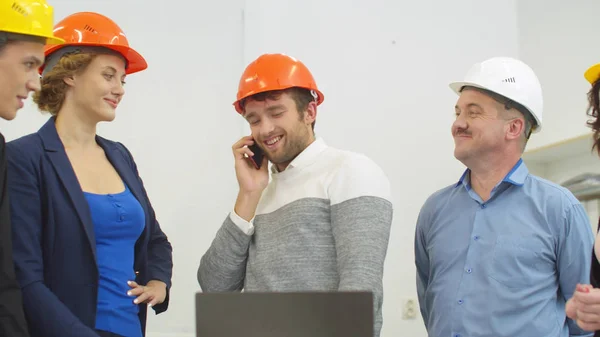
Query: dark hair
<point x="4" y="41"/>
<point x="593" y="111"/>
<point x="302" y="97"/>
<point x="7" y="38"/>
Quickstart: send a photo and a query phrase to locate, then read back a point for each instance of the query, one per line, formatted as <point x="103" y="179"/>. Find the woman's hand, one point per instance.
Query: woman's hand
<point x="584" y="307"/>
<point x="154" y="292"/>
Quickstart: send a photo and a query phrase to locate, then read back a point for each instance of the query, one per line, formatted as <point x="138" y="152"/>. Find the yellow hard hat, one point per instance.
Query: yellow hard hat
<point x="593" y="73"/>
<point x="28" y="17"/>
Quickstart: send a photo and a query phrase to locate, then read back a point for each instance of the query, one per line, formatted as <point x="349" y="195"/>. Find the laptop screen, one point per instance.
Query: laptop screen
<point x="284" y="314"/>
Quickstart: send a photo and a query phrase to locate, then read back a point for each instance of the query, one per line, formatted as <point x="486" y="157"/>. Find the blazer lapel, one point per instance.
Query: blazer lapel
<point x="58" y="157"/>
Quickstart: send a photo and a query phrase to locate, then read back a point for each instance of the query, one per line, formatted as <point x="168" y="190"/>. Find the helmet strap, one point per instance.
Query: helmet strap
<point x="314" y="95"/>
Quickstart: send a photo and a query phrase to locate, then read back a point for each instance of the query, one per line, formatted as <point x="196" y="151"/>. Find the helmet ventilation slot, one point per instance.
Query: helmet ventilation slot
<point x="90" y="29"/>
<point x="15" y="7"/>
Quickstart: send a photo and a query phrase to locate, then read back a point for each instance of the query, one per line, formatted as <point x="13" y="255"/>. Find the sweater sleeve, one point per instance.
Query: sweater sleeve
<point x="361" y="217"/>
<point x="223" y="266"/>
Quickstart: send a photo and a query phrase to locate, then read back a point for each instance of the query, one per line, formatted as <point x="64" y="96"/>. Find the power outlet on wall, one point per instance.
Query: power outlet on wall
<point x="410" y="309"/>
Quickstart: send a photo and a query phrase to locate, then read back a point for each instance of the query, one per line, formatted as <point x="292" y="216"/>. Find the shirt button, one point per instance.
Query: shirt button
<point x="469" y="270"/>
<point x="121" y="217"/>
<point x="460" y="301"/>
<point x="483" y="205"/>
<point x="457" y="335"/>
<point x="476" y="237"/>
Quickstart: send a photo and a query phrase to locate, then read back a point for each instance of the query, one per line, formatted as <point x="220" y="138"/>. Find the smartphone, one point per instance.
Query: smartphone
<point x="257" y="159"/>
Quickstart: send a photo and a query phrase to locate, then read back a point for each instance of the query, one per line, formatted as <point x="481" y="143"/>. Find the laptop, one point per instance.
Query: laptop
<point x="284" y="314"/>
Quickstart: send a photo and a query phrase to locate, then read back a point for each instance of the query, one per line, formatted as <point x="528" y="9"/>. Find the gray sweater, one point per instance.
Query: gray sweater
<point x="322" y="225"/>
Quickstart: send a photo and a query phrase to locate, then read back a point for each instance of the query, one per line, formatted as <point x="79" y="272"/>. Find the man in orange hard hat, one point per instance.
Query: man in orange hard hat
<point x="25" y="27"/>
<point x="322" y="223"/>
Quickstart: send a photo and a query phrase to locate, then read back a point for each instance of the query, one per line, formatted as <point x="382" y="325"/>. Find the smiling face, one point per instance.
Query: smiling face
<point x="90" y="85"/>
<point x="483" y="127"/>
<point x="19" y="63"/>
<point x="99" y="88"/>
<point x="279" y="128"/>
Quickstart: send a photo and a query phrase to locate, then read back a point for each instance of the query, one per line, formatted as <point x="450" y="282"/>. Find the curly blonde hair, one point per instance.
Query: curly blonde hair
<point x="52" y="94"/>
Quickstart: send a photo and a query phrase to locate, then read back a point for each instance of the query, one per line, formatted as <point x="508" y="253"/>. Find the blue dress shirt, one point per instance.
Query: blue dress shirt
<point x="504" y="267"/>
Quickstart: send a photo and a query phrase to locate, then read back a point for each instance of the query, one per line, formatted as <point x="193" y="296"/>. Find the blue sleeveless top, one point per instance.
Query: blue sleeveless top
<point x="118" y="222"/>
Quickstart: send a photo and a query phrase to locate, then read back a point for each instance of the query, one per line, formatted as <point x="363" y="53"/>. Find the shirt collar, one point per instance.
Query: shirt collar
<point x="306" y="157"/>
<point x="516" y="176"/>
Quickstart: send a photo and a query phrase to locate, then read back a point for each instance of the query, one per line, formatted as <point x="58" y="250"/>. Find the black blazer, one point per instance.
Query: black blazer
<point x="53" y="235"/>
<point x="12" y="319"/>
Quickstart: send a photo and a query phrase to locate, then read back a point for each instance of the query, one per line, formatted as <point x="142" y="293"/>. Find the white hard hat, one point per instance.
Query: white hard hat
<point x="510" y="78"/>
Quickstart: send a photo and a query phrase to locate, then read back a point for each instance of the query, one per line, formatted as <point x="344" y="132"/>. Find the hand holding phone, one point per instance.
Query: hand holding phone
<point x="258" y="157"/>
<point x="251" y="167"/>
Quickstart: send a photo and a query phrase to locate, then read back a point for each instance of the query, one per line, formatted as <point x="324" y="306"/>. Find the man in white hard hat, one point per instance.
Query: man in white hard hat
<point x="499" y="252"/>
<point x="25" y="27"/>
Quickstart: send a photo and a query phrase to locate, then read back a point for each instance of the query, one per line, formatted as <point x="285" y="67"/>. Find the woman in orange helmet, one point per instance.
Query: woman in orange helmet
<point x="89" y="253"/>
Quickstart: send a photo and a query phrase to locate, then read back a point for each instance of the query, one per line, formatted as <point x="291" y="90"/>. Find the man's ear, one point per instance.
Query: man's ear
<point x="515" y="128"/>
<point x="311" y="113"/>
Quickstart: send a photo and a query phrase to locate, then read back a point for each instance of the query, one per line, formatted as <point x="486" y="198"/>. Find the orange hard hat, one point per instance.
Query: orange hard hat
<point x="275" y="72"/>
<point x="95" y="30"/>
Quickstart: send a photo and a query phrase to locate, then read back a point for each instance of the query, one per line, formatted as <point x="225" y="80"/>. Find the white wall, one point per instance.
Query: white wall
<point x="383" y="66"/>
<point x="559" y="40"/>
